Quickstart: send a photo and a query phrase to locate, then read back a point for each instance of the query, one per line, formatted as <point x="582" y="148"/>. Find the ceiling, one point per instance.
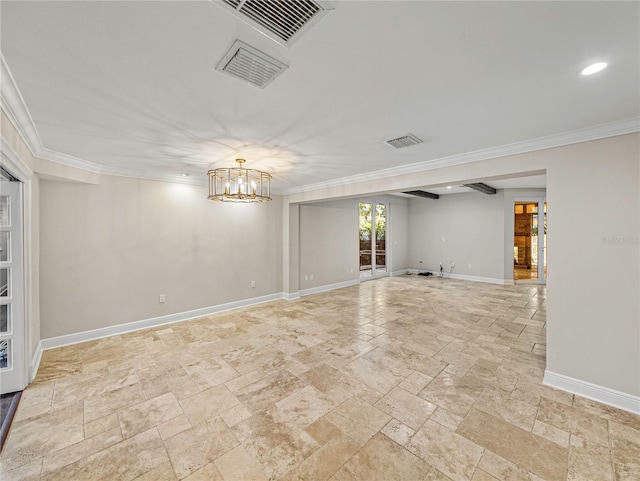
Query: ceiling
<point x="132" y="87"/>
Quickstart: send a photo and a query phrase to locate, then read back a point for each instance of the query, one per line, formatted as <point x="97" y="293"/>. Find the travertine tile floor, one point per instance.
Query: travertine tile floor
<point x="405" y="378"/>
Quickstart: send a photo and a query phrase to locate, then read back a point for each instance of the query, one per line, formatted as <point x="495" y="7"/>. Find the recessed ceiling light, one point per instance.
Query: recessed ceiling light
<point x="184" y="175"/>
<point x="593" y="68"/>
<point x="449" y="187"/>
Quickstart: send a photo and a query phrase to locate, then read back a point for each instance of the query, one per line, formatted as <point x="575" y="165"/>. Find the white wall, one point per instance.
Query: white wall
<point x="329" y="247"/>
<point x="328" y="243"/>
<point x="399" y="234"/>
<point x="593" y="324"/>
<point x="467" y="229"/>
<point x="109" y="250"/>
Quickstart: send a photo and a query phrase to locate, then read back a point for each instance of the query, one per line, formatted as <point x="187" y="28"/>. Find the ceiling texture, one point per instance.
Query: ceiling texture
<point x="131" y="87"/>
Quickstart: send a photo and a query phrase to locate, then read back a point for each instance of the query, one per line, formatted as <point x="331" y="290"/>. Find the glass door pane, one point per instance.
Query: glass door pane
<point x="366" y="244"/>
<point x="381" y="239"/>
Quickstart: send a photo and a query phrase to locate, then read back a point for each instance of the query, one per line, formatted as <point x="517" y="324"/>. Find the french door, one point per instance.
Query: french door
<point x="373" y="239"/>
<point x="12" y="331"/>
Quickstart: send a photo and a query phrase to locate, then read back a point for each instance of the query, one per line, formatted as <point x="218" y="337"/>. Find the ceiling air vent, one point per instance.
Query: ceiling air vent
<point x="250" y="65"/>
<point x="280" y="19"/>
<point x="404" y="141"/>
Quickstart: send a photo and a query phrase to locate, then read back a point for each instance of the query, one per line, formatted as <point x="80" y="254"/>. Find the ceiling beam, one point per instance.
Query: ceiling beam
<point x="422" y="193"/>
<point x="480" y="187"/>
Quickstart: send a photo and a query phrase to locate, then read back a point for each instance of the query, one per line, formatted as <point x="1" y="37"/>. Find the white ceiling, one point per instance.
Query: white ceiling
<point x="132" y="86"/>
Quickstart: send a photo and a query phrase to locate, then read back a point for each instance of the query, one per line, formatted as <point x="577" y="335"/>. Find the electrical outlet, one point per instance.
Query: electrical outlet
<point x="253" y="283"/>
<point x="162" y="298"/>
<point x="444" y="239"/>
<point x="310" y="277"/>
<point x="352" y="270"/>
<point x="453" y="264"/>
<point x="306" y="277"/>
<point x="469" y="266"/>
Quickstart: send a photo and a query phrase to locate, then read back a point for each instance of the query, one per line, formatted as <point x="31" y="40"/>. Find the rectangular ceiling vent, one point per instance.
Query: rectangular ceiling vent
<point x="404" y="141"/>
<point x="282" y="20"/>
<point x="250" y="65"/>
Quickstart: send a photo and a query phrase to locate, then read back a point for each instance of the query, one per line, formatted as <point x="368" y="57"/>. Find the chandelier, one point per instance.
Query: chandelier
<point x="237" y="184"/>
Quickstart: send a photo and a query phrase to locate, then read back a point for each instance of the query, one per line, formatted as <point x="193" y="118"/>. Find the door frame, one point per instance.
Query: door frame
<point x="541" y="244"/>
<point x="13" y="164"/>
<point x="387" y="273"/>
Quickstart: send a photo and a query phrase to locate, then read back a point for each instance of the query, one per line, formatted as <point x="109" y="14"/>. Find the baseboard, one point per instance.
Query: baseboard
<point x="35" y="362"/>
<point x="604" y="395"/>
<point x="329" y="287"/>
<point x="85" y="336"/>
<point x="450" y="275"/>
<point x="401" y="272"/>
<point x="290" y="296"/>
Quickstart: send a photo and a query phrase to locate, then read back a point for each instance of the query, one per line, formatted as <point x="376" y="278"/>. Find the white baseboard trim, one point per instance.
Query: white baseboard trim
<point x="436" y="273"/>
<point x="329" y="287"/>
<point x="604" y="395"/>
<point x="35" y="362"/>
<point x="401" y="272"/>
<point x="85" y="336"/>
<point x="290" y="296"/>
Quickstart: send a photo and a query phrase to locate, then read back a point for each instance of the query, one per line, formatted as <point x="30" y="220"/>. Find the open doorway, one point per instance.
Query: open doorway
<point x="530" y="241"/>
<point x="373" y="239"/>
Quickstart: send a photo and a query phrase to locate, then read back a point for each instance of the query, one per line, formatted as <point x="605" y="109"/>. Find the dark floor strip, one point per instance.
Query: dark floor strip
<point x="9" y="406"/>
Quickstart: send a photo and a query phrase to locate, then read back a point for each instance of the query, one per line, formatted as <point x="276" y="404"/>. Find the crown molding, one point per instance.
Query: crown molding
<point x="601" y="131"/>
<point x="14" y="106"/>
<point x="16" y="109"/>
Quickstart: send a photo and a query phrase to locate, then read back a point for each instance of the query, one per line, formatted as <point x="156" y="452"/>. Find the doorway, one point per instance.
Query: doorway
<point x="373" y="239"/>
<point x="12" y="330"/>
<point x="530" y="241"/>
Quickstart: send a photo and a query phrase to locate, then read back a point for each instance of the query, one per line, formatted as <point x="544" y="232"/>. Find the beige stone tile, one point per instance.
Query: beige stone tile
<point x="239" y="465"/>
<point x="415" y="382"/>
<point x="323" y="463"/>
<point x="28" y="472"/>
<point x="278" y="446"/>
<point x="380" y="459"/>
<point x="406" y="407"/>
<point x="551" y="433"/>
<point x="139" y="418"/>
<point x="588" y="460"/>
<point x="162" y="472"/>
<point x="112" y="401"/>
<point x="235" y="415"/>
<point x="322" y="431"/>
<point x="453" y="393"/>
<point x="244" y="380"/>
<point x="194" y="448"/>
<point x="480" y="475"/>
<point x="499" y="404"/>
<point x="123" y="461"/>
<point x="501" y="469"/>
<point x="435" y="475"/>
<point x="367" y="372"/>
<point x="308" y="404"/>
<point x="446" y="419"/>
<point x="101" y="425"/>
<point x="209" y="472"/>
<point x="357" y="419"/>
<point x="207" y="404"/>
<point x="80" y="450"/>
<point x="33" y="438"/>
<point x="174" y="426"/>
<point x="574" y="421"/>
<point x="625" y="451"/>
<point x="527" y="450"/>
<point x="445" y="450"/>
<point x="265" y="392"/>
<point x="400" y="433"/>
